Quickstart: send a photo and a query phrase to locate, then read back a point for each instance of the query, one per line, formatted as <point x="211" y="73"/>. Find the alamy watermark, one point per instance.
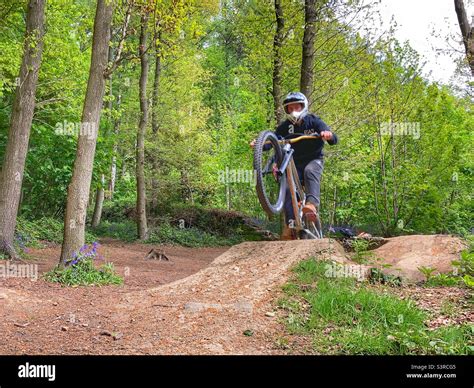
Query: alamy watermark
<point x="68" y="128"/>
<point x="338" y="270"/>
<point x="400" y="129"/>
<point x="10" y="270"/>
<point x="237" y="176"/>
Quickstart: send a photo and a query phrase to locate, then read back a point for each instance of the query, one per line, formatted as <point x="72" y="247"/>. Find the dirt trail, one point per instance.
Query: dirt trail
<point x="205" y="301"/>
<point x="209" y="311"/>
<point x="206" y="312"/>
<point x="44" y="318"/>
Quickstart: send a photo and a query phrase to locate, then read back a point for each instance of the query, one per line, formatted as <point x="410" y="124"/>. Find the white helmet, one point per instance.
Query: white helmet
<point x="296" y="97"/>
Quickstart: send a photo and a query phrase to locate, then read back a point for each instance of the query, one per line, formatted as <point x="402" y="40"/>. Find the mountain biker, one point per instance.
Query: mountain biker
<point x="308" y="155"/>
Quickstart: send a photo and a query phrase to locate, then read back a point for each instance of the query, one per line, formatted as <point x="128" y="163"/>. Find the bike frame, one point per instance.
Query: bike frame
<point x="296" y="188"/>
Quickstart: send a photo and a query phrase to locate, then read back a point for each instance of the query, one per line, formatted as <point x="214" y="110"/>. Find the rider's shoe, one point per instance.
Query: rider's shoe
<point x="287" y="233"/>
<point x="310" y="211"/>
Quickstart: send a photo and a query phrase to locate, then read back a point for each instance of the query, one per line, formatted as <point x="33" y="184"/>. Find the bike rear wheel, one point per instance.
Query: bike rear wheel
<point x="270" y="190"/>
<point x="316" y="228"/>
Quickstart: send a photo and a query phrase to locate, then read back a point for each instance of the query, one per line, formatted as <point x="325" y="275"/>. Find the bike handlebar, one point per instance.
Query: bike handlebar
<point x="297" y="139"/>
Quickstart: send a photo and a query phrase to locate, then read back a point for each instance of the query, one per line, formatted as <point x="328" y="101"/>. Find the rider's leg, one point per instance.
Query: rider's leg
<point x="288" y="232"/>
<point x="288" y="207"/>
<point x="312" y="183"/>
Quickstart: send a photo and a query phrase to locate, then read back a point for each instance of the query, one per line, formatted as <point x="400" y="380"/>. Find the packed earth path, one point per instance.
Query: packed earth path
<point x="203" y="301"/>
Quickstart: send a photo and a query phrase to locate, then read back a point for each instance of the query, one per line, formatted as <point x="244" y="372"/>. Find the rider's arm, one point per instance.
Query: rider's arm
<point x="322" y="126"/>
<point x="279" y="131"/>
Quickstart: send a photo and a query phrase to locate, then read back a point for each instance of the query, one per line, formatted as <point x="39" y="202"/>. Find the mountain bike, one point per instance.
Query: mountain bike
<point x="275" y="170"/>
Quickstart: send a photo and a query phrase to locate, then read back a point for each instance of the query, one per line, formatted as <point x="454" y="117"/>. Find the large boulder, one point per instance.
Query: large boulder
<point x="406" y="254"/>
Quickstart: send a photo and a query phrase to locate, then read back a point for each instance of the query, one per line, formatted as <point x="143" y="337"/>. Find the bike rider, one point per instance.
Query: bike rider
<point x="308" y="155"/>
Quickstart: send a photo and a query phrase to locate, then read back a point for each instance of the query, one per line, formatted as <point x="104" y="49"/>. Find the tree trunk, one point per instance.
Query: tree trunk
<point x="394" y="173"/>
<point x="113" y="167"/>
<point x="78" y="190"/>
<point x="142" y="227"/>
<point x="11" y="176"/>
<point x="99" y="201"/>
<point x="154" y="121"/>
<point x="278" y="62"/>
<point x="467" y="32"/>
<point x="156" y="87"/>
<point x="307" y="65"/>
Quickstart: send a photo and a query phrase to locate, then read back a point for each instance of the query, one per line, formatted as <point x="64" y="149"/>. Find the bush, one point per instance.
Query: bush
<point x="124" y="230"/>
<point x="465" y="267"/>
<point x="32" y="232"/>
<point x="443" y="280"/>
<point x="189" y="237"/>
<point x="216" y="221"/>
<point x="119" y="210"/>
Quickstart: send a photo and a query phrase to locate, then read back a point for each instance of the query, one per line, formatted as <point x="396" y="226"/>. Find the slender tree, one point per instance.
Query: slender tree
<point x="11" y="176"/>
<point x="79" y="187"/>
<point x="278" y="61"/>
<point x="307" y="64"/>
<point x="467" y="32"/>
<point x="142" y="226"/>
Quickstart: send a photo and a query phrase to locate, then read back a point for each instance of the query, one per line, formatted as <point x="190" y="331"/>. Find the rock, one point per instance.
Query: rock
<point x="22" y="324"/>
<point x="215" y="348"/>
<point x="406" y="254"/>
<point x="64" y="328"/>
<point x="197" y="306"/>
<point x="269" y="314"/>
<point x="243" y="306"/>
<point x="117" y="336"/>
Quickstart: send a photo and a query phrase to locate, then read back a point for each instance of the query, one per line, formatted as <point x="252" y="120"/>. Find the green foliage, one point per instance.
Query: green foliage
<point x="82" y="271"/>
<point x="215" y="95"/>
<point x="463" y="273"/>
<point x="344" y="316"/>
<point x="124" y="230"/>
<point x="427" y="271"/>
<point x="360" y="247"/>
<point x="32" y="232"/>
<point x="443" y="280"/>
<point x="84" y="274"/>
<point x="465" y="267"/>
<point x="189" y="237"/>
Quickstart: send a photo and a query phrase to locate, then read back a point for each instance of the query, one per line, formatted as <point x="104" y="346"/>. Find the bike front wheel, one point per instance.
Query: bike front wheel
<point x="270" y="190"/>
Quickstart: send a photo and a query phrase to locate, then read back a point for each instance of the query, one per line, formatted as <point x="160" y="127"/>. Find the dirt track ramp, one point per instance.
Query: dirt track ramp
<point x="209" y="311"/>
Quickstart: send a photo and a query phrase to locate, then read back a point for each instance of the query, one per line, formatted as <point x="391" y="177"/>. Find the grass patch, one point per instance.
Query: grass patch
<point x="344" y="316"/>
